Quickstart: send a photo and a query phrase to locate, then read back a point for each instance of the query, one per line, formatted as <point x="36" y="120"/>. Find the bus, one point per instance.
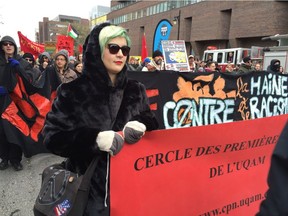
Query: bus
<point x="225" y="56"/>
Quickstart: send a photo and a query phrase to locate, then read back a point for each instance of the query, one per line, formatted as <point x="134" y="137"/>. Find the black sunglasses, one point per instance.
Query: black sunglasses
<point x="28" y="59"/>
<point x="114" y="49"/>
<point x="7" y="43"/>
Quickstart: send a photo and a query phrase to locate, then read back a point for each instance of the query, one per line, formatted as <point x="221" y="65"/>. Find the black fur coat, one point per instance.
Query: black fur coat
<point x="89" y="105"/>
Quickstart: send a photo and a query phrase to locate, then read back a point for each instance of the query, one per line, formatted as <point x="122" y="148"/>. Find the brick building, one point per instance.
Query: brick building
<point x="223" y="24"/>
<point x="48" y="29"/>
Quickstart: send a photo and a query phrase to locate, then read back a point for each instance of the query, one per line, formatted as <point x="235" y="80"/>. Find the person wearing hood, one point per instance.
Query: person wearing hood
<point x="88" y="113"/>
<point x="274" y="66"/>
<point x="11" y="63"/>
<point x="61" y="67"/>
<point x="44" y="60"/>
<point x="72" y="61"/>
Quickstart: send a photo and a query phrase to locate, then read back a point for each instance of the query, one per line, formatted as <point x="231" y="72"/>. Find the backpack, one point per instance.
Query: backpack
<point x="62" y="191"/>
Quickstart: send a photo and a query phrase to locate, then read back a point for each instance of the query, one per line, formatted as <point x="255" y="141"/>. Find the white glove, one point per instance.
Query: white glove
<point x="110" y="141"/>
<point x="133" y="131"/>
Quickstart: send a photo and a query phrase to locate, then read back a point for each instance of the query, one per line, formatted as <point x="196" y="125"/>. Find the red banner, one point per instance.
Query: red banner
<point x="205" y="170"/>
<point x="65" y="42"/>
<point x="28" y="46"/>
<point x="80" y="48"/>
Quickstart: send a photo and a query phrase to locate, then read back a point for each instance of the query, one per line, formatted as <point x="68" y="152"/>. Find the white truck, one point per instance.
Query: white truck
<point x="279" y="52"/>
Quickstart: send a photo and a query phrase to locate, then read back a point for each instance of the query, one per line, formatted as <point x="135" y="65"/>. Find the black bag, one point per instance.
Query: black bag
<point x="63" y="192"/>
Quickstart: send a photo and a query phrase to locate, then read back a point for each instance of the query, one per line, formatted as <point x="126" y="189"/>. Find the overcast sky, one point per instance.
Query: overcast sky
<point x="24" y="16"/>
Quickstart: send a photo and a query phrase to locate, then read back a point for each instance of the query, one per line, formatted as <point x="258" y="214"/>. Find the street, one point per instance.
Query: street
<point x="20" y="189"/>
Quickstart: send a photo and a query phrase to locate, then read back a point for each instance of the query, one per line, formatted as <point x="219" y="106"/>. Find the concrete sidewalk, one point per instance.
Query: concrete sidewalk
<point x="20" y="189"/>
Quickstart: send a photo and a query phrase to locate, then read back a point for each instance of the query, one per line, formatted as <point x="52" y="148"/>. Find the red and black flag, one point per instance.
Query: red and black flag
<point x="24" y="108"/>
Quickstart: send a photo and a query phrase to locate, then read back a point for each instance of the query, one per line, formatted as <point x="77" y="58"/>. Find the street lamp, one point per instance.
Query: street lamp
<point x="176" y="21"/>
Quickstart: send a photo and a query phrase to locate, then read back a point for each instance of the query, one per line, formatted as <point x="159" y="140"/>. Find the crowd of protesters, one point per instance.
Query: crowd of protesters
<point x="68" y="68"/>
<point x="105" y="68"/>
<point x="157" y="63"/>
<point x="30" y="68"/>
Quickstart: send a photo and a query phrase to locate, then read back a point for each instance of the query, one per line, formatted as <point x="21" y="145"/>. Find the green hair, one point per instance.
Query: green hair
<point x="110" y="32"/>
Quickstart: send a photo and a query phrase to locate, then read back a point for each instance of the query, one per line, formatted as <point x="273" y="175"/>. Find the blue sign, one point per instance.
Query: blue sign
<point x="162" y="32"/>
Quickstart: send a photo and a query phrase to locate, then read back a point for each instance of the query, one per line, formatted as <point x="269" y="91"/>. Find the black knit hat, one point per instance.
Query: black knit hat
<point x="28" y="55"/>
<point x="157" y="53"/>
<point x="246" y="59"/>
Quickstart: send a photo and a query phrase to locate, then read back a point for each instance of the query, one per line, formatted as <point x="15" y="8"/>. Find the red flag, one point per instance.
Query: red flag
<point x="28" y="46"/>
<point x="80" y="48"/>
<point x="65" y="42"/>
<point x="144" y="51"/>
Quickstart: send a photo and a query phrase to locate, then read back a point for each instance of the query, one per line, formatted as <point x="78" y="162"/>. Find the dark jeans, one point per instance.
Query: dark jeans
<point x="9" y="151"/>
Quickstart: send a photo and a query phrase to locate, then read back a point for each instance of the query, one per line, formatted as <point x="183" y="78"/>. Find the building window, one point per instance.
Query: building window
<point x="155" y="9"/>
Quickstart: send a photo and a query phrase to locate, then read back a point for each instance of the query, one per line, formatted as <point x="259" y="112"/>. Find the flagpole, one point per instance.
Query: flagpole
<point x="67" y="30"/>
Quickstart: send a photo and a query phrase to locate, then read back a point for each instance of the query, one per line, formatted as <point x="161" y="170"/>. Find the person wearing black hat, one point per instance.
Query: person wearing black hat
<point x="30" y="59"/>
<point x="11" y="63"/>
<point x="158" y="61"/>
<point x="246" y="66"/>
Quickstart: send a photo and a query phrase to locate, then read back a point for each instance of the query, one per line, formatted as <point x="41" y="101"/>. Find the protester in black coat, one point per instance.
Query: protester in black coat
<point x="11" y="63"/>
<point x="88" y="112"/>
<point x="276" y="201"/>
<point x="45" y="61"/>
<point x="274" y="66"/>
<point x="30" y="59"/>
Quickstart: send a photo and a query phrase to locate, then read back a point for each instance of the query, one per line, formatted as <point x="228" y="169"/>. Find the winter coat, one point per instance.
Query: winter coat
<point x="276" y="200"/>
<point x="25" y="69"/>
<point x="41" y="60"/>
<point x="243" y="69"/>
<point x="8" y="80"/>
<point x="67" y="75"/>
<point x="274" y="66"/>
<point x="87" y="106"/>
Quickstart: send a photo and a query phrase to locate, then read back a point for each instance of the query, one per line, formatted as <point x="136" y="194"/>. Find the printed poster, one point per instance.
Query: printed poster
<point x="197" y="171"/>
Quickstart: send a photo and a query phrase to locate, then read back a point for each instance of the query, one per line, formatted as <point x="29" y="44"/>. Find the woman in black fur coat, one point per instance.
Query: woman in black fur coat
<point x="89" y="111"/>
